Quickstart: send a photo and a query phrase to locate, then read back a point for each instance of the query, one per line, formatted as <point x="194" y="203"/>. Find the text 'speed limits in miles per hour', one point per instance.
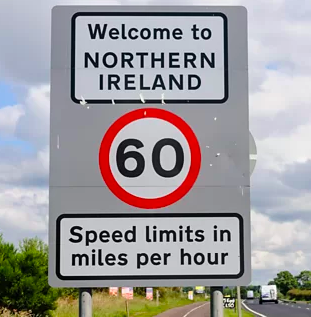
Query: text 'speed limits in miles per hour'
<point x="166" y="246"/>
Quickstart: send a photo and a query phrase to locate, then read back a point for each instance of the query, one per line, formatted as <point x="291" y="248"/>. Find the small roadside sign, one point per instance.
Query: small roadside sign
<point x="229" y="302"/>
<point x="113" y="291"/>
<point x="149" y="152"/>
<point x="149" y="293"/>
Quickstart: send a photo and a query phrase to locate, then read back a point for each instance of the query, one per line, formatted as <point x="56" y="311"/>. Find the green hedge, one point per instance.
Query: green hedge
<point x="299" y="294"/>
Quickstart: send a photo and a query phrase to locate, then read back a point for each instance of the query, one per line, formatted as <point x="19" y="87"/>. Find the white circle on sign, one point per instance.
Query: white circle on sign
<point x="149" y="158"/>
<point x="150" y="131"/>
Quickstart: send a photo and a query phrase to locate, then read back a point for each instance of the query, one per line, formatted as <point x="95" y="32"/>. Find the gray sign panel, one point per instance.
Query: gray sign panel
<point x="149" y="147"/>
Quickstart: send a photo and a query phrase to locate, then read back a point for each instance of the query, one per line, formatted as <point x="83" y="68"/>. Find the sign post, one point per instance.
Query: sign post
<point x="149" y="147"/>
<point x="217" y="304"/>
<point x="85" y="302"/>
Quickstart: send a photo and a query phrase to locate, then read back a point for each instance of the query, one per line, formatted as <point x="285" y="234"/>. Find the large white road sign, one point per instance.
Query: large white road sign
<point x="149" y="148"/>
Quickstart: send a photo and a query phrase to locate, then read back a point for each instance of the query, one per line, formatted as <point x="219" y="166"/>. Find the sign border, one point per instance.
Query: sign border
<point x="151" y="101"/>
<point x="148" y="277"/>
<point x="149" y="203"/>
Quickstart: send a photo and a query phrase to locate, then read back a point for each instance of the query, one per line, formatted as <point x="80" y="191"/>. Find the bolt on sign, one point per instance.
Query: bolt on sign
<point x="149" y="147"/>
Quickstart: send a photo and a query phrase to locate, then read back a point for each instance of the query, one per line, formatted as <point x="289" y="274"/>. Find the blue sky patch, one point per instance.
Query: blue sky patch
<point x="21" y="145"/>
<point x="7" y="96"/>
<point x="272" y="66"/>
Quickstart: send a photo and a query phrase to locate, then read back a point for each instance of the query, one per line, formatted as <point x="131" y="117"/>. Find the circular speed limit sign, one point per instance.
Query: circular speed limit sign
<point x="149" y="158"/>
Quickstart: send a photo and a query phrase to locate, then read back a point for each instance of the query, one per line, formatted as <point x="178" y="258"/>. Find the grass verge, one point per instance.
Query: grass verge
<point x="106" y="306"/>
<point x="231" y="313"/>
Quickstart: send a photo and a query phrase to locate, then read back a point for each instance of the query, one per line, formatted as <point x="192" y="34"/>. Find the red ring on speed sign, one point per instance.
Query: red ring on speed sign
<point x="140" y="202"/>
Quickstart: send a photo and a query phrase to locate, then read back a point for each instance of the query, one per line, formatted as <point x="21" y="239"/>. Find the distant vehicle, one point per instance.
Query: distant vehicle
<point x="250" y="295"/>
<point x="268" y="293"/>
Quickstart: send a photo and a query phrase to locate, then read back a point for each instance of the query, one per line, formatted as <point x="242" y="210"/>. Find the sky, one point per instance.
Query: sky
<point x="280" y="121"/>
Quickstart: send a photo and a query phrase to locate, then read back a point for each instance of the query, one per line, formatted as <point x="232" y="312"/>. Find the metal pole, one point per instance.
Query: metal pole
<point x="158" y="297"/>
<point x="239" y="301"/>
<point x="216" y="305"/>
<point x="127" y="308"/>
<point x="85" y="302"/>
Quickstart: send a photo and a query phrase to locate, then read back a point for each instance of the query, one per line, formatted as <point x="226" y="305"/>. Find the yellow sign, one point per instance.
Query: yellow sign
<point x="199" y="289"/>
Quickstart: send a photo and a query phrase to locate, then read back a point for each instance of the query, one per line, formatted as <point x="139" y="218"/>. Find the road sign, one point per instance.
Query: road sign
<point x="164" y="246"/>
<point x="149" y="293"/>
<point x="113" y="291"/>
<point x="149" y="147"/>
<point x="190" y="295"/>
<point x="127" y="292"/>
<point x="199" y="289"/>
<point x="165" y="163"/>
<point x="229" y="302"/>
<point x="145" y="52"/>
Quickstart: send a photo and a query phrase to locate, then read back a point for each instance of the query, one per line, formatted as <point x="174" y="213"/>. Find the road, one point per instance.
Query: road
<point x="279" y="310"/>
<point x="194" y="310"/>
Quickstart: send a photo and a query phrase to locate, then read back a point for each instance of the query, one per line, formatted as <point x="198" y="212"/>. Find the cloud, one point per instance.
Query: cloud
<point x="276" y="152"/>
<point x="295" y="176"/>
<point x="34" y="125"/>
<point x="282" y="195"/>
<point x="24" y="166"/>
<point x="263" y="260"/>
<point x="278" y="246"/>
<point x="9" y="116"/>
<point x="23" y="212"/>
<point x="280" y="93"/>
<point x="280" y="105"/>
<point x="273" y="236"/>
<point x="27" y="124"/>
<point x="26" y="172"/>
<point x="25" y="59"/>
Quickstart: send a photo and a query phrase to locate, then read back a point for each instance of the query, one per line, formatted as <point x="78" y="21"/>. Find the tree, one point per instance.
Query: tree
<point x="23" y="277"/>
<point x="243" y="291"/>
<point x="271" y="283"/>
<point x="304" y="279"/>
<point x="140" y="291"/>
<point x="8" y="271"/>
<point x="187" y="289"/>
<point x="228" y="291"/>
<point x="165" y="292"/>
<point x="285" y="281"/>
<point x="254" y="288"/>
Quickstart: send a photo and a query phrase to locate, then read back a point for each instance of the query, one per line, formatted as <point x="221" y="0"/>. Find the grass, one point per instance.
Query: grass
<point x="106" y="306"/>
<point x="7" y="313"/>
<point x="231" y="313"/>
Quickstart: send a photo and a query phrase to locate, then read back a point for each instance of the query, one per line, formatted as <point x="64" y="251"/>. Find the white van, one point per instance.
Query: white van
<point x="268" y="293"/>
<point x="250" y="295"/>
